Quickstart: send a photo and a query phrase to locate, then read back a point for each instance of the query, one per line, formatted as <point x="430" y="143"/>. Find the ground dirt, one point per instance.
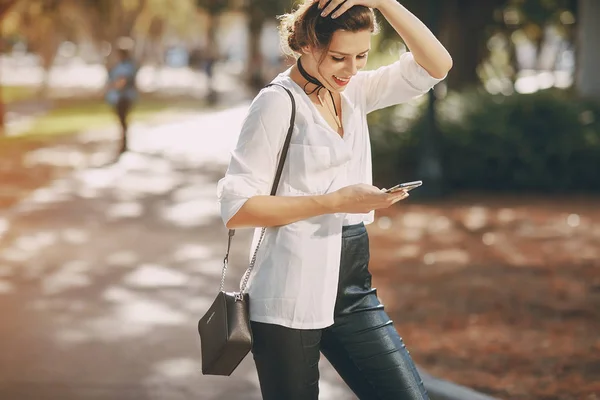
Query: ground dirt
<point x="498" y="293"/>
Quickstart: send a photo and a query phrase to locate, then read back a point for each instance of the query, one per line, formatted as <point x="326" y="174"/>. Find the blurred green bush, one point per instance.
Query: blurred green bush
<point x="548" y="141"/>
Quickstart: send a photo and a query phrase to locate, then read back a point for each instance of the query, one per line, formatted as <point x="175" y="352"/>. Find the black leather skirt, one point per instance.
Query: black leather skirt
<point x="362" y="344"/>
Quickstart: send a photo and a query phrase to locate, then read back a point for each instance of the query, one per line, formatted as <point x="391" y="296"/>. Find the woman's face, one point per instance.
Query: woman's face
<point x="346" y="55"/>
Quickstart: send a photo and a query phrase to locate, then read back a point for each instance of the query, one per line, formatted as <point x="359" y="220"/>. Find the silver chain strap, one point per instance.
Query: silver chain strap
<point x="252" y="261"/>
<point x="248" y="270"/>
<point x="226" y="260"/>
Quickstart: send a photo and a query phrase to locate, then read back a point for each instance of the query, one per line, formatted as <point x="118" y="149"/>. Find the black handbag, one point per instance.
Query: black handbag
<point x="225" y="334"/>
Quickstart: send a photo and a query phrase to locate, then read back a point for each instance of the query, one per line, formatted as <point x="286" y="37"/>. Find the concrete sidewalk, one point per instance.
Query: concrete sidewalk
<point x="104" y="274"/>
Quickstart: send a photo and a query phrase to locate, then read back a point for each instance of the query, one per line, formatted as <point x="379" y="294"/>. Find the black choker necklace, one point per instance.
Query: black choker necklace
<point x="314" y="81"/>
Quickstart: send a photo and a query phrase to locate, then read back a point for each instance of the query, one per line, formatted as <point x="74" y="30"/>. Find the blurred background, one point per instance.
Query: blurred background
<point x="490" y="271"/>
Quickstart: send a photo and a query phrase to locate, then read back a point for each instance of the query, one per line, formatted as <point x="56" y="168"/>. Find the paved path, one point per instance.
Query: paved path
<point x="104" y="274"/>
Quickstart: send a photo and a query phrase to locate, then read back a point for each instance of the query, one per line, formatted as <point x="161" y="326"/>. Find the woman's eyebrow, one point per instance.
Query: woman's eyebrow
<point x="346" y="54"/>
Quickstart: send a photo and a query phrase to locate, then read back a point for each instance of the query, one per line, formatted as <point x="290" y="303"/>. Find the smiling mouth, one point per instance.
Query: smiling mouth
<point x="341" y="81"/>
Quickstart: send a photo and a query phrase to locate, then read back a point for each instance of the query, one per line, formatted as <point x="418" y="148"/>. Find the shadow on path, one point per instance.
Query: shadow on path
<point x="104" y="274"/>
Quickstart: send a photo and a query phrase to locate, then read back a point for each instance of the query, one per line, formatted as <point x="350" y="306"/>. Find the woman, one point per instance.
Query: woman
<point x="310" y="290"/>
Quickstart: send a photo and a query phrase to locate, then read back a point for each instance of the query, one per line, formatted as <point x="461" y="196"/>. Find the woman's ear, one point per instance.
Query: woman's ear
<point x="312" y="53"/>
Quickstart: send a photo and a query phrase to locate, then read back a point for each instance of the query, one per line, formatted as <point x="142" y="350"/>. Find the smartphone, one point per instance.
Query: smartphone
<point x="406" y="186"/>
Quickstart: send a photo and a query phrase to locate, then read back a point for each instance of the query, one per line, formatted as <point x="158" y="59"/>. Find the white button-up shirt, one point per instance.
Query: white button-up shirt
<point x="295" y="277"/>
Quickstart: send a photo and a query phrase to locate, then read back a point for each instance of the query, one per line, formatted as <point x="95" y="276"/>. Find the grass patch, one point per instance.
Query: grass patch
<point x="86" y="114"/>
<point x="10" y="94"/>
<point x="76" y="115"/>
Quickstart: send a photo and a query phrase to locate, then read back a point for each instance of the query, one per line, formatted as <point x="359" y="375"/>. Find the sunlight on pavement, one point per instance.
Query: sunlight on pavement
<point x="191" y="251"/>
<point x="146" y="312"/>
<point x="6" y="287"/>
<point x="506" y="215"/>
<point x="75" y="236"/>
<point x="73" y="274"/>
<point x="177" y="368"/>
<point x="59" y="156"/>
<point x="475" y="218"/>
<point x="439" y="225"/>
<point x="573" y="220"/>
<point x="4" y="225"/>
<point x="408" y="251"/>
<point x="116" y="263"/>
<point x="155" y="276"/>
<point x="51" y="194"/>
<point x="123" y="258"/>
<point x="415" y="220"/>
<point x="451" y="256"/>
<point x="192" y="213"/>
<point x="122" y="210"/>
<point x="384" y="223"/>
<point x="206" y="139"/>
<point x="489" y="238"/>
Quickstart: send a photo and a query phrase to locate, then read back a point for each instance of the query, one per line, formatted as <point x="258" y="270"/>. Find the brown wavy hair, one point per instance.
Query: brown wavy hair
<point x="305" y="26"/>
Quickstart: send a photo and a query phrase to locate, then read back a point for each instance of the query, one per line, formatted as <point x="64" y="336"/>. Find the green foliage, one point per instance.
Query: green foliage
<point x="544" y="142"/>
<point x="213" y="7"/>
<point x="542" y="12"/>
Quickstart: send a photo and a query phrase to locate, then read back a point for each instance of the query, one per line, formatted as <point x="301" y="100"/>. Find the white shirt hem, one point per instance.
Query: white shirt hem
<point x="292" y="324"/>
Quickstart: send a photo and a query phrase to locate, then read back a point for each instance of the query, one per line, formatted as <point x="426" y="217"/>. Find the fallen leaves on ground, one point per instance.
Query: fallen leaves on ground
<point x="498" y="293"/>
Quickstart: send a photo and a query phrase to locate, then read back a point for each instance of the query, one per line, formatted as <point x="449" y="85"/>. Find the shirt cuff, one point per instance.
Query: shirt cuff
<point x="415" y="75"/>
<point x="233" y="191"/>
<point x="230" y="207"/>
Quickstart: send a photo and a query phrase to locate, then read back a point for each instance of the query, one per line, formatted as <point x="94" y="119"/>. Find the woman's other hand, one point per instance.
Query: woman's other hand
<point x="362" y="198"/>
<point x="329" y="5"/>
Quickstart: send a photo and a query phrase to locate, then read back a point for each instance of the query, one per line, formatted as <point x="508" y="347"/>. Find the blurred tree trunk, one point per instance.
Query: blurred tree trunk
<point x="463" y="30"/>
<point x="588" y="80"/>
<point x="212" y="53"/>
<point x="257" y="12"/>
<point x="256" y="19"/>
<point x="463" y="26"/>
<point x="47" y="54"/>
<point x="5" y="6"/>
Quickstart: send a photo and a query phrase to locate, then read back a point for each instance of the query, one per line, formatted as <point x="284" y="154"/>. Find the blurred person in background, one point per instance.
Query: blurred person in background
<point x="310" y="289"/>
<point x="121" y="91"/>
<point x="210" y="59"/>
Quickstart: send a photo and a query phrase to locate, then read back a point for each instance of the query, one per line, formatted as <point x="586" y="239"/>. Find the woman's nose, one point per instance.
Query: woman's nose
<point x="352" y="68"/>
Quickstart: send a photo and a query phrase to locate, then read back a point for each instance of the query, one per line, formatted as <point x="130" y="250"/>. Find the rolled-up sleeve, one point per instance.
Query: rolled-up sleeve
<point x="253" y="161"/>
<point x="396" y="83"/>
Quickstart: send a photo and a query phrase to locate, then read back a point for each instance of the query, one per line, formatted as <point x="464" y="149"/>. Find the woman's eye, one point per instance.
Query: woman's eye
<point x="340" y="59"/>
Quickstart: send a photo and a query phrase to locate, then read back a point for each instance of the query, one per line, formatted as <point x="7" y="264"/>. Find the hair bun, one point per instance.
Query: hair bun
<point x="292" y="39"/>
<point x="305" y="26"/>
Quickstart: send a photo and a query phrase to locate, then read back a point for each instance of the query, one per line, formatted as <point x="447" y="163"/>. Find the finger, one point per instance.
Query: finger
<point x="333" y="4"/>
<point x="397" y="193"/>
<point x="322" y="3"/>
<point x="398" y="200"/>
<point x="345" y="7"/>
<point x="401" y="197"/>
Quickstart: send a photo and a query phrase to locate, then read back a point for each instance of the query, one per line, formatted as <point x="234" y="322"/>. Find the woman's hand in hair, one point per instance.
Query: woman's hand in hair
<point x="329" y="5"/>
<point x="362" y="198"/>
